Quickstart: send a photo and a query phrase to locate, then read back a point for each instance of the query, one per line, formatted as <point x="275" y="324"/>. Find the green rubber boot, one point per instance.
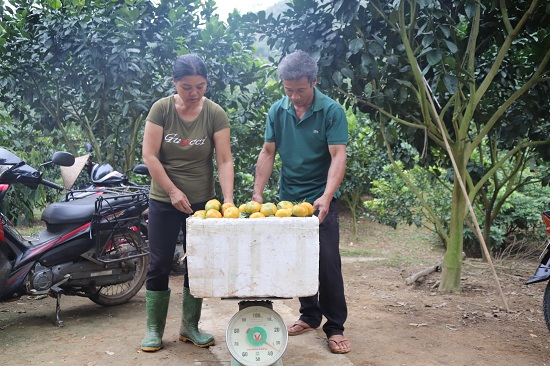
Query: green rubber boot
<point x="156" y="308"/>
<point x="189" y="330"/>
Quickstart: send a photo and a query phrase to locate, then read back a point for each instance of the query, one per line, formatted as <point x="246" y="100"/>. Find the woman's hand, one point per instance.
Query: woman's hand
<point x="180" y="201"/>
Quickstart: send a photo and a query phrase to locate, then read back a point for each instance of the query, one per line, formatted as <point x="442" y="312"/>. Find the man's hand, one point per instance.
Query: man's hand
<point x="322" y="204"/>
<point x="258" y="198"/>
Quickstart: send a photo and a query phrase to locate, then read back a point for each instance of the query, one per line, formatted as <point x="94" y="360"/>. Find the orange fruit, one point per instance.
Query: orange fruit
<point x="252" y="207"/>
<point x="256" y="215"/>
<point x="283" y="212"/>
<point x="213" y="214"/>
<point x="226" y="206"/>
<point x="285" y="204"/>
<point x="268" y="209"/>
<point x="213" y="204"/>
<point x="309" y="207"/>
<point x="242" y="207"/>
<point x="201" y="214"/>
<point x="299" y="210"/>
<point x="232" y="213"/>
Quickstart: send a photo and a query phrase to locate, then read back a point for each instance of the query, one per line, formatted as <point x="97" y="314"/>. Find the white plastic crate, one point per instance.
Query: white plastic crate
<point x="248" y="258"/>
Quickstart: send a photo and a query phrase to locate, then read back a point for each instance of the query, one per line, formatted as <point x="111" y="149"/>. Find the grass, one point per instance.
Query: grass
<point x="391" y="247"/>
<point x="357" y="253"/>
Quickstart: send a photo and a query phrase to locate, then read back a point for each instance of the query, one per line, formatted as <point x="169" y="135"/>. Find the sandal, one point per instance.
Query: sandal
<point x="298" y="327"/>
<point x="335" y="343"/>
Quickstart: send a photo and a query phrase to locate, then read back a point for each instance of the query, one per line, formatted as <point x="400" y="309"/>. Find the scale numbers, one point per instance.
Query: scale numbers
<point x="257" y="336"/>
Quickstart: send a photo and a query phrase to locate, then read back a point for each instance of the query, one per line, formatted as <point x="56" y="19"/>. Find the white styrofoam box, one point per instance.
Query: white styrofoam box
<point x="253" y="258"/>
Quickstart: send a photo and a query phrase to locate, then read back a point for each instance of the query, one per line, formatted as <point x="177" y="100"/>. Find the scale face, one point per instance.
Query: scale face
<point x="257" y="336"/>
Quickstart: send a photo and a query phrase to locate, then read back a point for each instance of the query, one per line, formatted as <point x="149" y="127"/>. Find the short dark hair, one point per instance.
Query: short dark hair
<point x="188" y="65"/>
<point x="296" y="65"/>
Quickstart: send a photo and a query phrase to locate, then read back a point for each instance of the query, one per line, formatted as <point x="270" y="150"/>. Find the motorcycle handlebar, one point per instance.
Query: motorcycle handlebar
<point x="52" y="185"/>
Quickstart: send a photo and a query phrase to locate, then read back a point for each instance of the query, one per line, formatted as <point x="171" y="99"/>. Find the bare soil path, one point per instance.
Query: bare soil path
<point x="389" y="323"/>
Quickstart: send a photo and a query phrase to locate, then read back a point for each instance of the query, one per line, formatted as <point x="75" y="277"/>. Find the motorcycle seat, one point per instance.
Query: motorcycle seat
<point x="79" y="210"/>
<point x="70" y="212"/>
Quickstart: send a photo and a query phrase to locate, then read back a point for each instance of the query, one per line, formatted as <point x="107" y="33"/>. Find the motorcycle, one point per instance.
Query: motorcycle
<point x="90" y="246"/>
<point x="103" y="175"/>
<point x="100" y="174"/>
<point x="542" y="273"/>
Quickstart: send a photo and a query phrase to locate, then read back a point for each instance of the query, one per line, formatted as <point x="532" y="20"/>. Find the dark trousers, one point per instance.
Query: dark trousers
<point x="165" y="222"/>
<point x="330" y="300"/>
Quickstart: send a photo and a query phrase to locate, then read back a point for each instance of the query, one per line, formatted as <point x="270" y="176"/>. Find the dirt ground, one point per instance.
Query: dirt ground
<point x="389" y="323"/>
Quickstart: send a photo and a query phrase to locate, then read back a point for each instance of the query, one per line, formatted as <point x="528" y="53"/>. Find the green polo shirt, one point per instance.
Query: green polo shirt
<point x="303" y="145"/>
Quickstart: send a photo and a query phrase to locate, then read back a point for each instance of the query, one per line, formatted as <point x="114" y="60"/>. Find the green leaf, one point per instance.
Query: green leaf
<point x="451" y="83"/>
<point x="424" y="3"/>
<point x="428" y="39"/>
<point x="451" y="46"/>
<point x="393" y="60"/>
<point x="337" y="77"/>
<point x="434" y="56"/>
<point x="55" y="4"/>
<point x="366" y="63"/>
<point x="404" y="82"/>
<point x="470" y="8"/>
<point x="375" y="49"/>
<point x="445" y="29"/>
<point x="356" y="45"/>
<point x="346" y="71"/>
<point x="367" y="90"/>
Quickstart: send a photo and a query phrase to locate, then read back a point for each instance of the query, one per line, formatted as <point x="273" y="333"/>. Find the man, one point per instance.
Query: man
<point x="309" y="131"/>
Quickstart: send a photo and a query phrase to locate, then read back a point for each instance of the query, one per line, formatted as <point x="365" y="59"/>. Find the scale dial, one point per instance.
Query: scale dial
<point x="256" y="336"/>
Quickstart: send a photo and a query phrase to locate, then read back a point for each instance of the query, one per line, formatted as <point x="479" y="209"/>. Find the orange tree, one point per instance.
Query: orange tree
<point x="483" y="68"/>
<point x="96" y="67"/>
<point x="89" y="70"/>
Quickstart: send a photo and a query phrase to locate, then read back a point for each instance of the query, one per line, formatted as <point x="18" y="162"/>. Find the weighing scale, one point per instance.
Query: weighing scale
<point x="256" y="335"/>
<point x="246" y="260"/>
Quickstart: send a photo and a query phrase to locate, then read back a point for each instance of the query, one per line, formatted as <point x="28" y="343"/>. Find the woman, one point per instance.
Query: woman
<point x="182" y="133"/>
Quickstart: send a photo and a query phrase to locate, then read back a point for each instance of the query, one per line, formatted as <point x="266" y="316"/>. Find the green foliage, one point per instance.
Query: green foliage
<point x="21" y="203"/>
<point x="522" y="212"/>
<point x="7" y="129"/>
<point x="100" y="65"/>
<point x="394" y="202"/>
<point x="519" y="215"/>
<point x="88" y="71"/>
<point x="364" y="158"/>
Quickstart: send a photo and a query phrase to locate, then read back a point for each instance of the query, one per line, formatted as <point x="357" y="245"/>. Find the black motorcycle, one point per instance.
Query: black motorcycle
<point x="91" y="245"/>
<point x="103" y="175"/>
<point x="543" y="271"/>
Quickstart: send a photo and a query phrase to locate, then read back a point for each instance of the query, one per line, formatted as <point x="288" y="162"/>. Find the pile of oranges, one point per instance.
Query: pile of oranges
<point x="253" y="210"/>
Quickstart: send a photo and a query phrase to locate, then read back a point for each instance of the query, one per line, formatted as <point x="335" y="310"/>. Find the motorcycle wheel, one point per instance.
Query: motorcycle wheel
<point x="546" y="305"/>
<point x="123" y="292"/>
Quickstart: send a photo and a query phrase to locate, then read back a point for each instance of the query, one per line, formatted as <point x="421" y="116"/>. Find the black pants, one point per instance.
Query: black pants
<point x="165" y="222"/>
<point x="330" y="300"/>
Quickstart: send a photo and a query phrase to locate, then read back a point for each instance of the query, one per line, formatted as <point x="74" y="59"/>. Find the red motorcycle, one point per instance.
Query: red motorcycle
<point x="91" y="245"/>
<point x="543" y="271"/>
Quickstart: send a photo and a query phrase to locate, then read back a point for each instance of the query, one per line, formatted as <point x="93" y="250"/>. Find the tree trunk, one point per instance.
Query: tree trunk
<point x="452" y="261"/>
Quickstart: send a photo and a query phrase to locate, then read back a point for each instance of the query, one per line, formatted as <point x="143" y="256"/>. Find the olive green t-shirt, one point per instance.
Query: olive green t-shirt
<point x="187" y="148"/>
